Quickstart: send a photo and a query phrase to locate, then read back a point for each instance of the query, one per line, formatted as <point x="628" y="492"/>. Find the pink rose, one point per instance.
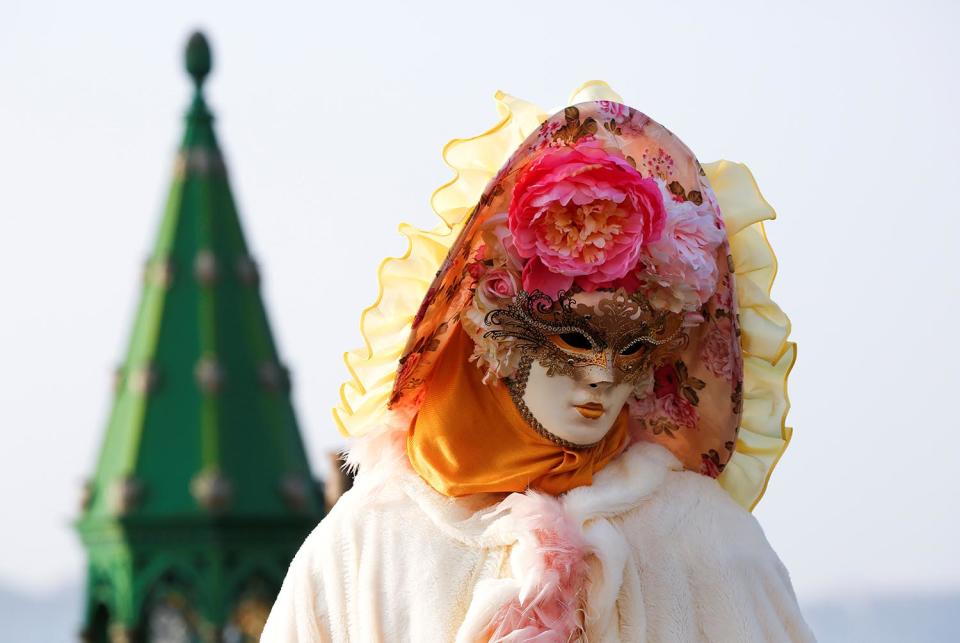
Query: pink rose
<point x="666" y="381"/>
<point x="682" y="262"/>
<point x="582" y="214"/>
<point x="679" y="410"/>
<point x="495" y="286"/>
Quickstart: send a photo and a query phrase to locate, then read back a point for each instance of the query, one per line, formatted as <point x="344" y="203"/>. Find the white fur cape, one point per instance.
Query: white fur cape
<point x="669" y="557"/>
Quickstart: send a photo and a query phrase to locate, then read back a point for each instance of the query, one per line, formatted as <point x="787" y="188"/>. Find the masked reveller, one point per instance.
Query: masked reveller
<point x="572" y="394"/>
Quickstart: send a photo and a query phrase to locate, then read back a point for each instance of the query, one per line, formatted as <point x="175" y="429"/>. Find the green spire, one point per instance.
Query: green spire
<point x="202" y="447"/>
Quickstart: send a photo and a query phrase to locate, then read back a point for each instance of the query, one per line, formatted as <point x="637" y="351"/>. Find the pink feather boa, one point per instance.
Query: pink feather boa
<point x="551" y="555"/>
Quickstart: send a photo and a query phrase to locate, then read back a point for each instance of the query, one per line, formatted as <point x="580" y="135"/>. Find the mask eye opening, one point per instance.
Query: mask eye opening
<point x="632" y="348"/>
<point x="574" y="341"/>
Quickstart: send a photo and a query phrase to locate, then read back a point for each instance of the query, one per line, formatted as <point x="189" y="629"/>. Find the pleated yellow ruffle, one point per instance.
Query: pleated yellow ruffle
<point x="767" y="355"/>
<point x="403" y="283"/>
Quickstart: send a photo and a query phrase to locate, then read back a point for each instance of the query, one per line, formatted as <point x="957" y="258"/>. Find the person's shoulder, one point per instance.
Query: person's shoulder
<point x="359" y="510"/>
<point x="696" y="508"/>
<point x="696" y="519"/>
<point x="692" y="520"/>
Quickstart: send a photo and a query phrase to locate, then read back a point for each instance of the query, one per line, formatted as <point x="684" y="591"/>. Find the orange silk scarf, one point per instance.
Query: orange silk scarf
<point x="468" y="437"/>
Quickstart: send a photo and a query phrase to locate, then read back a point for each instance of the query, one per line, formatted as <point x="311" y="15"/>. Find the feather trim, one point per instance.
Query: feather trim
<point x="549" y="561"/>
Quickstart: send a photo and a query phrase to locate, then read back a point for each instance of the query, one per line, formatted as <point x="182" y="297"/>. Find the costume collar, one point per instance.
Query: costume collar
<point x="484" y="520"/>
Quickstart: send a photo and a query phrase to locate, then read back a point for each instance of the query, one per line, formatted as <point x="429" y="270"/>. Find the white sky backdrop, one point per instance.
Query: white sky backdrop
<point x="332" y="118"/>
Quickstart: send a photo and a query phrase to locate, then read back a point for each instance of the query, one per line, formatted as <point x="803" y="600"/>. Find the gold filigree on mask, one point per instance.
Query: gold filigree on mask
<point x="621" y="332"/>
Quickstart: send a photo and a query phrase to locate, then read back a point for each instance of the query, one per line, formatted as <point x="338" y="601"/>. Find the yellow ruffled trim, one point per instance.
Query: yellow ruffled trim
<point x="767" y="355"/>
<point x="403" y="283"/>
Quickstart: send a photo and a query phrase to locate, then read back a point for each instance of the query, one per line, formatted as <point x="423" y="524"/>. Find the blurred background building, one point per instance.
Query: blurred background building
<point x="202" y="492"/>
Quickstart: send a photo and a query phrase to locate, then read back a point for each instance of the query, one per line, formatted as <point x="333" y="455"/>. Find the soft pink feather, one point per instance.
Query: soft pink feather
<point x="551" y="551"/>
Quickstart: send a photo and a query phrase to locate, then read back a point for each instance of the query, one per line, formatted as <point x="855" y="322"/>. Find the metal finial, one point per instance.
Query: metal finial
<point x="198" y="58"/>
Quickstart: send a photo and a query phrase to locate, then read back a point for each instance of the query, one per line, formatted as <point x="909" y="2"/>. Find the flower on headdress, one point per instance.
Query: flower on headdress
<point x="678" y="410"/>
<point x="719" y="349"/>
<point x="496" y="287"/>
<point x="675" y="393"/>
<point x="682" y="266"/>
<point x="582" y="214"/>
<point x="662" y="406"/>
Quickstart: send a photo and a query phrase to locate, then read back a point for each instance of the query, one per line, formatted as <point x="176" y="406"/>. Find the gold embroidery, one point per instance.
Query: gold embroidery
<point x="622" y="332"/>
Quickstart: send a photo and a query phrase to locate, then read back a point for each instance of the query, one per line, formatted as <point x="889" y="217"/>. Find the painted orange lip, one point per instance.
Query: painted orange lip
<point x="591" y="410"/>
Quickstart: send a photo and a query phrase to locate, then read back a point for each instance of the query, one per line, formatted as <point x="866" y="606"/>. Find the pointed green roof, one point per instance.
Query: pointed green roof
<point x="202" y="487"/>
<point x="202" y="421"/>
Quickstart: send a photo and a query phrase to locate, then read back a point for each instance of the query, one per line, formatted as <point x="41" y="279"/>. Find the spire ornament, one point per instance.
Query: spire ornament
<point x="198" y="59"/>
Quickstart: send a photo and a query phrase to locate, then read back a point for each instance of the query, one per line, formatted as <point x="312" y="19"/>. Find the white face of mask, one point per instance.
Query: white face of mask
<point x="581" y="408"/>
<point x="584" y="357"/>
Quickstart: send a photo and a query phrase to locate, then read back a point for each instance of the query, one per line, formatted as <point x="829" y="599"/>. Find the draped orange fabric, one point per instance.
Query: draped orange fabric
<point x="469" y="437"/>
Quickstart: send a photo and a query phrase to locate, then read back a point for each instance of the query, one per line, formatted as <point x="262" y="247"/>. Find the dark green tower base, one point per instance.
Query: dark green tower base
<point x="184" y="582"/>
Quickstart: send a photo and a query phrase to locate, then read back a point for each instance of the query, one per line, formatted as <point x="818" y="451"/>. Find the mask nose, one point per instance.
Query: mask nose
<point x="601" y="377"/>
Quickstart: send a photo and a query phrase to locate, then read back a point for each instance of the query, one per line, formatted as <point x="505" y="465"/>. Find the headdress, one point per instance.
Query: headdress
<point x="596" y="203"/>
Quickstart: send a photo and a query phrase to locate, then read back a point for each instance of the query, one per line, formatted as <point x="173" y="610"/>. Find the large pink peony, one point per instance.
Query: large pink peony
<point x="582" y="214"/>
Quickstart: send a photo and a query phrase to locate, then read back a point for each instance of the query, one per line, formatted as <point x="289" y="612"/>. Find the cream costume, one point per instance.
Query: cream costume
<point x="573" y="392"/>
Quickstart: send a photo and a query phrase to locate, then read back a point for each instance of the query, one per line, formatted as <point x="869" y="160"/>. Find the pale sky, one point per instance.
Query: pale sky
<point x="332" y="117"/>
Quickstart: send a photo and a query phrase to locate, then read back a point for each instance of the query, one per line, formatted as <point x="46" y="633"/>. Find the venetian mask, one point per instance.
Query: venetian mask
<point x="582" y="357"/>
<point x="593" y="279"/>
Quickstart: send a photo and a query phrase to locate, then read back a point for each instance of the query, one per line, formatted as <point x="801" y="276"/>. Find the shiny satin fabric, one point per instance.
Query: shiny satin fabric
<point x="468" y="437"/>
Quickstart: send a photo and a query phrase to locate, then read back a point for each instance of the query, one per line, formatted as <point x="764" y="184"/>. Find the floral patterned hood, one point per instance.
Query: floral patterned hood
<point x="597" y="199"/>
<point x="600" y="198"/>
